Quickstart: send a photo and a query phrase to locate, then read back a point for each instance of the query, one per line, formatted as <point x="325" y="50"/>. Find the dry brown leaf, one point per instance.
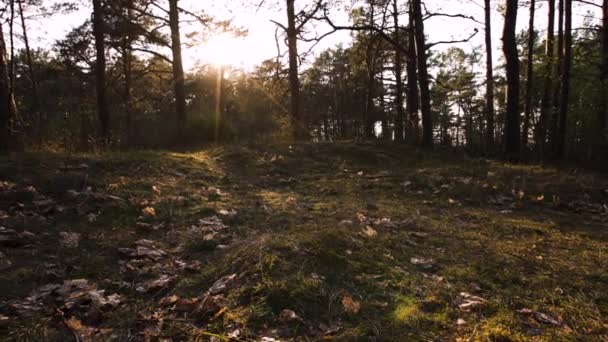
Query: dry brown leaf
<point x="350" y="305"/>
<point x="289" y="316"/>
<point x="370" y="232"/>
<point x="74" y="324"/>
<point x="187" y="305"/>
<point x="148" y="212"/>
<point x="168" y="301"/>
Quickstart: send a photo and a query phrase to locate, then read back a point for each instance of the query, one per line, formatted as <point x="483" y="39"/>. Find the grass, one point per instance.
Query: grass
<point x="545" y="250"/>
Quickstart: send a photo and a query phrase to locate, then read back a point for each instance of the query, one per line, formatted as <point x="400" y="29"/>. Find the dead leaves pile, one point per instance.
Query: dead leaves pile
<point x="148" y="259"/>
<point x="77" y="297"/>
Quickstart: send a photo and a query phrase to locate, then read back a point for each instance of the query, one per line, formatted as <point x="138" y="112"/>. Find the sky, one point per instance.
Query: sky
<point x="260" y="44"/>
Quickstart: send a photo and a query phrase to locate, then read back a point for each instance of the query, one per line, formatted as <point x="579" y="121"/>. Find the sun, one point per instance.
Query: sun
<point x="227" y="50"/>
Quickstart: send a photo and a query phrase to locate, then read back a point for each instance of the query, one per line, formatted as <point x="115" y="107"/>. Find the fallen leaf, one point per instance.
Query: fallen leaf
<point x="69" y="240"/>
<point x="350" y="305"/>
<point x="469" y="302"/>
<point x="289" y="316"/>
<point x="346" y="224"/>
<point x="222" y="284"/>
<point x="544" y="318"/>
<point x="228" y="213"/>
<point x="370" y="232"/>
<point x="211" y="305"/>
<point x="148" y="212"/>
<point x="419" y="235"/>
<point x="423" y="262"/>
<point x="168" y="301"/>
<point x="163" y="282"/>
<point x="187" y="305"/>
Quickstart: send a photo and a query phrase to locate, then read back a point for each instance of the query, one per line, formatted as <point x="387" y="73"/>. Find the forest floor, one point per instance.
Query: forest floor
<point x="308" y="242"/>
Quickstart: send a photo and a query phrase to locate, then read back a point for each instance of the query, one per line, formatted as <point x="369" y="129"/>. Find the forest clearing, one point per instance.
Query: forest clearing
<point x="303" y="170"/>
<point x="306" y="242"/>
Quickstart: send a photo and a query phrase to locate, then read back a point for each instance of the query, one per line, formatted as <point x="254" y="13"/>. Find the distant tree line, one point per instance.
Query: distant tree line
<point x="118" y="79"/>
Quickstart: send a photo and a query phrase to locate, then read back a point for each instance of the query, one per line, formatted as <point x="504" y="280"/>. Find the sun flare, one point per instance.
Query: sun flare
<point x="226" y="49"/>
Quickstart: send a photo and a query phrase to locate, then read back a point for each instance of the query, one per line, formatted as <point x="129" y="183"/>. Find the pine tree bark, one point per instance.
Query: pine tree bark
<point x="413" y="99"/>
<point x="30" y="66"/>
<point x="602" y="114"/>
<point x="178" y="68"/>
<point x="528" y="108"/>
<point x="294" y="79"/>
<point x="100" y="69"/>
<point x="489" y="78"/>
<point x="127" y="57"/>
<point x="6" y="107"/>
<point x="398" y="63"/>
<point x="565" y="82"/>
<point x="370" y="60"/>
<point x="11" y="35"/>
<point x="547" y="103"/>
<point x="423" y="77"/>
<point x="557" y="76"/>
<point x="511" y="134"/>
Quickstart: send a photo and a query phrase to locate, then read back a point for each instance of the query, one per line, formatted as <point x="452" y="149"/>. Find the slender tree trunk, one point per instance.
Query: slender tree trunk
<point x="6" y="107"/>
<point x="602" y="115"/>
<point x="30" y="67"/>
<point x="529" y="76"/>
<point x="100" y="69"/>
<point x="370" y="61"/>
<point x="178" y="69"/>
<point x="489" y="78"/>
<point x="547" y="103"/>
<point x="413" y="100"/>
<point x="385" y="119"/>
<point x="565" y="84"/>
<point x="219" y="103"/>
<point x="512" y="135"/>
<point x="11" y="34"/>
<point x="558" y="76"/>
<point x="127" y="97"/>
<point x="400" y="110"/>
<point x="425" y="94"/>
<point x="294" y="79"/>
<point x="371" y="84"/>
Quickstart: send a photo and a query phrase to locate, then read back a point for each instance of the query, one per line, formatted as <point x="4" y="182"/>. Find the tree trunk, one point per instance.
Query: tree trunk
<point x="558" y="76"/>
<point x="565" y="84"/>
<point x="370" y="61"/>
<point x="400" y="111"/>
<point x="294" y="79"/>
<point x="100" y="69"/>
<point x="489" y="78"/>
<point x="547" y="103"/>
<point x="512" y="136"/>
<point x="219" y="102"/>
<point x="6" y="108"/>
<point x="425" y="94"/>
<point x="11" y="34"/>
<point x="30" y="66"/>
<point x="127" y="71"/>
<point x="602" y="115"/>
<point x="413" y="101"/>
<point x="178" y="68"/>
<point x="528" y="108"/>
